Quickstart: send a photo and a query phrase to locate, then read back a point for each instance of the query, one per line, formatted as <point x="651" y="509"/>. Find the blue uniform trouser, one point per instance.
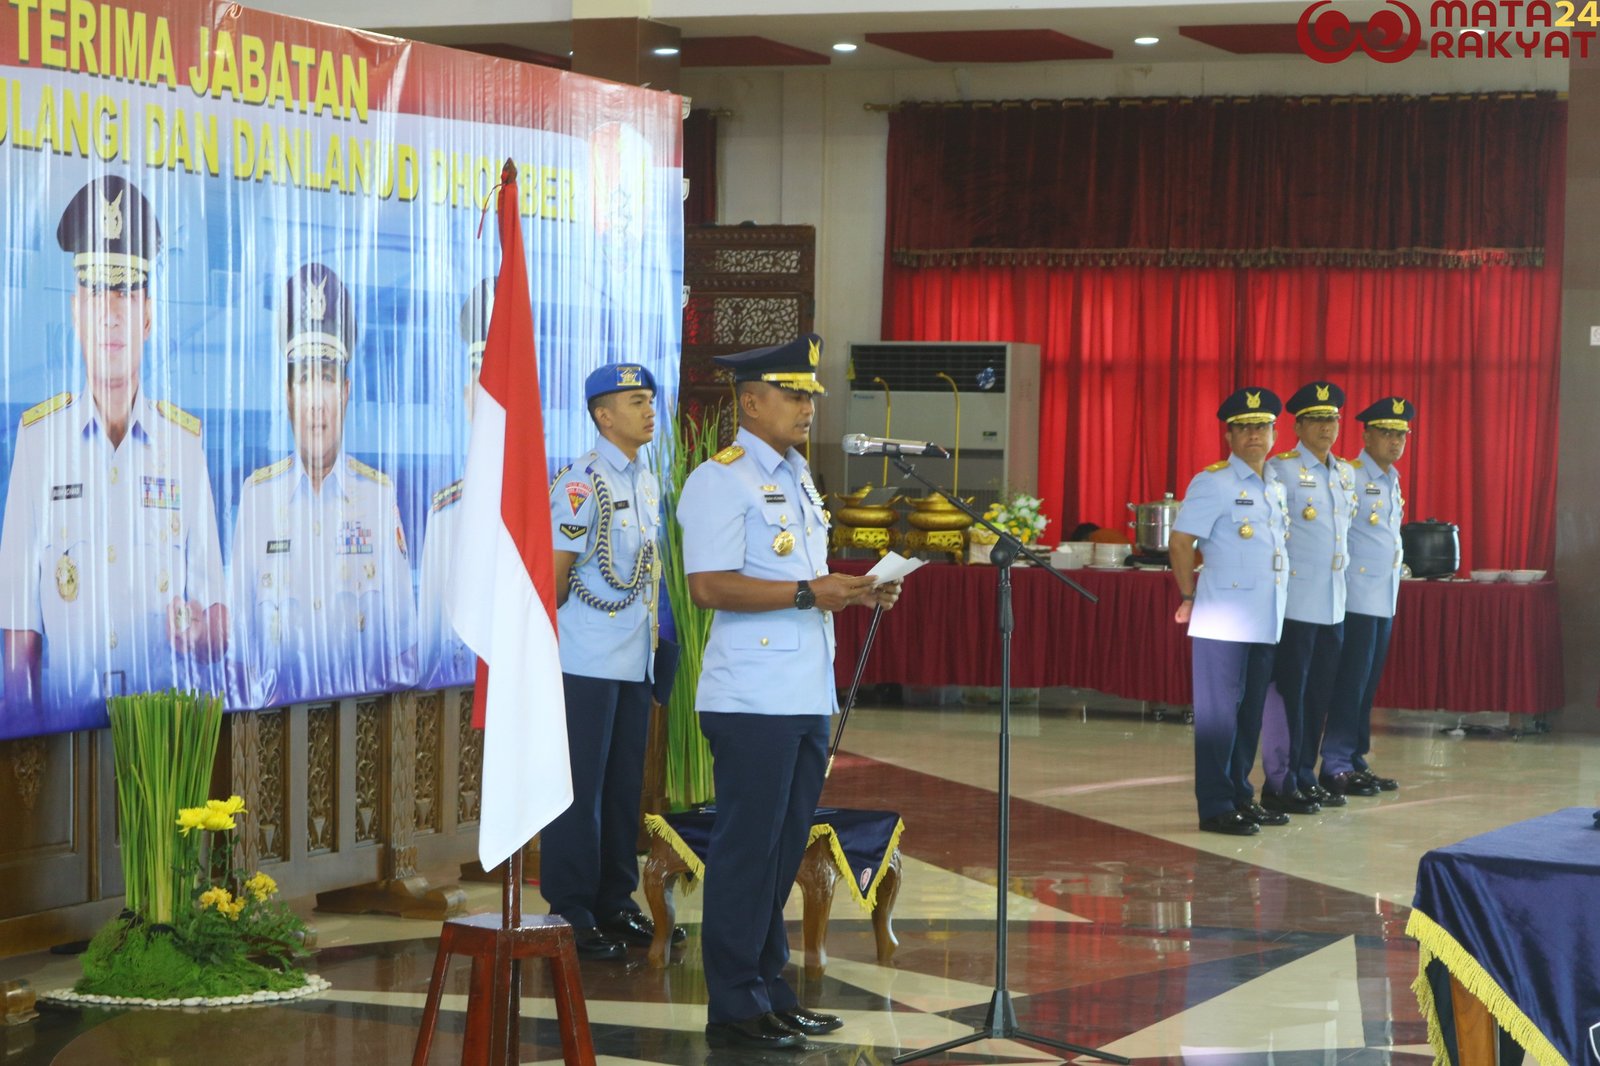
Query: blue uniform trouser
<point x="1349" y="734"/>
<point x="768" y="769"/>
<point x="1230" y="683"/>
<point x="588" y="856"/>
<point x="1308" y="659"/>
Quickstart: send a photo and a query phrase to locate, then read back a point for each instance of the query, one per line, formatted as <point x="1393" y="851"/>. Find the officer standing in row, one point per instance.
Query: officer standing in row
<point x="756" y="551"/>
<point x="110" y="564"/>
<point x="605" y="514"/>
<point x="322" y="586"/>
<point x="443" y="659"/>
<point x="1373" y="579"/>
<point x="1234" y="513"/>
<point x="1321" y="491"/>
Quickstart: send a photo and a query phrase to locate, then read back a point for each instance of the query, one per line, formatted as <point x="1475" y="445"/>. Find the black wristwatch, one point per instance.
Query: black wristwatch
<point x="804" y="598"/>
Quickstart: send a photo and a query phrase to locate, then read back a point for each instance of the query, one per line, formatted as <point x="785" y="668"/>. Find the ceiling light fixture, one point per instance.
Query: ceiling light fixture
<point x="665" y="50"/>
<point x="845" y="46"/>
<point x="1147" y="40"/>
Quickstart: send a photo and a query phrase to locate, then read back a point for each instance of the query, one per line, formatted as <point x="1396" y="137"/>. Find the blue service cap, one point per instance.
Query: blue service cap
<point x="1391" y="412"/>
<point x="1249" y="407"/>
<point x="111" y="232"/>
<point x="788" y="366"/>
<point x="616" y="377"/>
<point x="1318" y="399"/>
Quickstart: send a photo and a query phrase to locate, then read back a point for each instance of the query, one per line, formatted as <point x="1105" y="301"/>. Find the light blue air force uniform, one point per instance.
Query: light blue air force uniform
<point x="443" y="659"/>
<point x="606" y="509"/>
<point x="756" y="512"/>
<point x="1373" y="576"/>
<point x="101" y="545"/>
<point x="1321" y="501"/>
<point x="1239" y="520"/>
<point x="321" y="584"/>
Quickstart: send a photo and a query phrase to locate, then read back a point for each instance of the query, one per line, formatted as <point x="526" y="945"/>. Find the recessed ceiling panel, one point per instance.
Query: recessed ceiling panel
<point x="989" y="46"/>
<point x="1246" y="38"/>
<point x="744" y="52"/>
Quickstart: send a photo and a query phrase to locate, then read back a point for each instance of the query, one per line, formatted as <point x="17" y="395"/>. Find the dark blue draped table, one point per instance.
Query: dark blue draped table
<point x="1508" y="915"/>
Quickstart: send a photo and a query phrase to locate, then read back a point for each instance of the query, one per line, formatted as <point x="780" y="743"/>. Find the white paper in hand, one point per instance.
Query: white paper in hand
<point x="893" y="567"/>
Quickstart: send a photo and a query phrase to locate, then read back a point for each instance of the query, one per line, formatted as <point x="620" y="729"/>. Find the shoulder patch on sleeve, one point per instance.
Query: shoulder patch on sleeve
<point x="556" y="478"/>
<point x="369" y="472"/>
<point x="59" y="402"/>
<point x="1214" y="467"/>
<point x="572" y="532"/>
<point x="267" y="473"/>
<point x="1291" y="454"/>
<point x="447" y="495"/>
<point x="178" y="416"/>
<point x="728" y="454"/>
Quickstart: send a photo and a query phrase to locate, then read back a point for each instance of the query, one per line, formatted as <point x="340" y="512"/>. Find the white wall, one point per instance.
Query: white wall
<point x="800" y="148"/>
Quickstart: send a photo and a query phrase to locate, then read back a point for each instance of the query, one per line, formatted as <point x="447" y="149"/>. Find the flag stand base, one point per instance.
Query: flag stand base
<point x="496" y="945"/>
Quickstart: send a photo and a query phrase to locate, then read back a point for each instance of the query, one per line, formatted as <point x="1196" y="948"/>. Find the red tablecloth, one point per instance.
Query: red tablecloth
<point x="1457" y="646"/>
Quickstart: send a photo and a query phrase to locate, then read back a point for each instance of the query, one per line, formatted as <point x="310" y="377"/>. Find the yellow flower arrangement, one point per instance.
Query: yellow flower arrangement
<point x="1020" y="517"/>
<point x="215" y="817"/>
<point x="262" y="887"/>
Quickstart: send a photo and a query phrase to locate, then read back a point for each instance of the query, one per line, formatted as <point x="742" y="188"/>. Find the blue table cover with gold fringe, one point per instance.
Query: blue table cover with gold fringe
<point x="1508" y="914"/>
<point x="861" y="843"/>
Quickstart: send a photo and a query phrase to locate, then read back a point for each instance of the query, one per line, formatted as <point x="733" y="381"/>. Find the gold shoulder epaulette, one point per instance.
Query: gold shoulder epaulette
<point x="59" y="402"/>
<point x="267" y="473"/>
<point x="1292" y="454"/>
<point x="178" y="416"/>
<point x="371" y="473"/>
<point x="1214" y="467"/>
<point x="447" y="495"/>
<point x="1356" y="463"/>
<point x="728" y="454"/>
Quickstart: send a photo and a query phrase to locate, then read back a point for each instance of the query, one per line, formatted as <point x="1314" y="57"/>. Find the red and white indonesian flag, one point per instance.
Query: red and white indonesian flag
<point x="503" y="596"/>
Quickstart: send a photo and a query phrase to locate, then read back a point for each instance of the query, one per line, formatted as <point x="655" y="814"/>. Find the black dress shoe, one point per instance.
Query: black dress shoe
<point x="1324" y="797"/>
<point x="1347" y="783"/>
<point x="631" y="927"/>
<point x="1232" y="824"/>
<point x="1261" y="816"/>
<point x="1295" y="802"/>
<point x="593" y="944"/>
<point x="809" y="1022"/>
<point x="1382" y="784"/>
<point x="762" y="1031"/>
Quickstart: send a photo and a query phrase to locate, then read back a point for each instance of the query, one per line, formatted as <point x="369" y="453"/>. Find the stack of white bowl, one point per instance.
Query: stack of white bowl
<point x="1109" y="555"/>
<point x="1072" y="555"/>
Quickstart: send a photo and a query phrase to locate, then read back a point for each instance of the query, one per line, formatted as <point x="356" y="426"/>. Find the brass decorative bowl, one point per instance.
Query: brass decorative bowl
<point x="881" y="516"/>
<point x="934" y="513"/>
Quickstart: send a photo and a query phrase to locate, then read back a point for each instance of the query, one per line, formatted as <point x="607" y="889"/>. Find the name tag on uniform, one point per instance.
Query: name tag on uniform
<point x="1373" y="490"/>
<point x="776" y="497"/>
<point x="277" y="547"/>
<point x="1308" y="482"/>
<point x="620" y="505"/>
<point x="1245" y="501"/>
<point x="66" y="492"/>
<point x="572" y="532"/>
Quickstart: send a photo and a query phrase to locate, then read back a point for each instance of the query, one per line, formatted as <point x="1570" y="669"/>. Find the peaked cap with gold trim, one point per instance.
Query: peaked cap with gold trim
<point x="1391" y="412"/>
<point x="111" y="232"/>
<point x="1319" y="399"/>
<point x="1249" y="407"/>
<point x="318" y="317"/>
<point x="788" y="366"/>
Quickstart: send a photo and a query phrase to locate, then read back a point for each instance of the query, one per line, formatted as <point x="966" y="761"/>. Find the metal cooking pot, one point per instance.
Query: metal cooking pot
<point x="1433" y="548"/>
<point x="1152" y="524"/>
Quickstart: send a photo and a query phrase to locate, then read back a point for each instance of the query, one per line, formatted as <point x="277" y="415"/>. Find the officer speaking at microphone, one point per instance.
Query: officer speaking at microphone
<point x="605" y="514"/>
<point x="1233" y="512"/>
<point x="755" y="547"/>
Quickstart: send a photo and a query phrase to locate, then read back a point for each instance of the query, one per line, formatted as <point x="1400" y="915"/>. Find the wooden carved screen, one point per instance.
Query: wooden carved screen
<point x="749" y="286"/>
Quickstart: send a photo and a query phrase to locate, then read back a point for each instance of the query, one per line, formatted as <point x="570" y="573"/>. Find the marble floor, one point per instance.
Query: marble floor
<point x="1129" y="930"/>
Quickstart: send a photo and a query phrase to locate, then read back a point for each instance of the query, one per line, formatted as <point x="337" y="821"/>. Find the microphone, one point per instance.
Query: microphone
<point x="861" y="444"/>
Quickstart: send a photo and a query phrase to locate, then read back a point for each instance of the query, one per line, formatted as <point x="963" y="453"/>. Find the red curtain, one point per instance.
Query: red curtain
<point x="1261" y="181"/>
<point x="1135" y="359"/>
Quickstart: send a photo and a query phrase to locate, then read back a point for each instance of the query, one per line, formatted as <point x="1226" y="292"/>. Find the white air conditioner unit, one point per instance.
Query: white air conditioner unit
<point x="999" y="387"/>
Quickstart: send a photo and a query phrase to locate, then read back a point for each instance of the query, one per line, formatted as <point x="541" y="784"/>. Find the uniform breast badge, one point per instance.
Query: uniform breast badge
<point x="67" y="578"/>
<point x="1309" y="514"/>
<point x="1247" y="531"/>
<point x="783" y="543"/>
<point x="1372" y="519"/>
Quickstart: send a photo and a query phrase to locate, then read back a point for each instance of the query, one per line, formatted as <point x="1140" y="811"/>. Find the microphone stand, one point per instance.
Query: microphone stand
<point x="1001" y="1021"/>
<point x="855" y="687"/>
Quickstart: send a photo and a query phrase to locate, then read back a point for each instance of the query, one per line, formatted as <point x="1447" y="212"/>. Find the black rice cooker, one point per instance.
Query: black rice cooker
<point x="1433" y="548"/>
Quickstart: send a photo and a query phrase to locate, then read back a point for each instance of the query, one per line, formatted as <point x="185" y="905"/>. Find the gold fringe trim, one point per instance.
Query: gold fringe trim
<point x="870" y="900"/>
<point x="658" y="826"/>
<point x="1435" y="942"/>
<point x="1455" y="258"/>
